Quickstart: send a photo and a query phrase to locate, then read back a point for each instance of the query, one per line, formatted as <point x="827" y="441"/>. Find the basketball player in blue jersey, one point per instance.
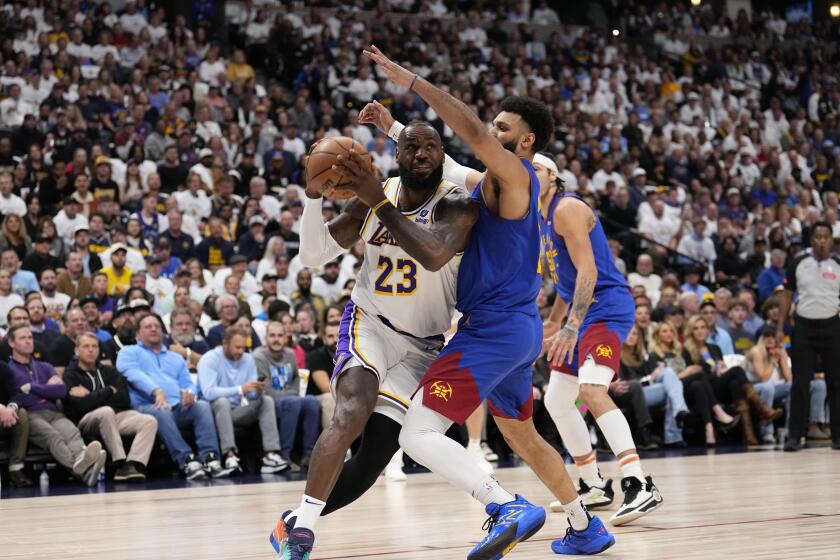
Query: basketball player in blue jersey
<point x="593" y="313"/>
<point x="500" y="333"/>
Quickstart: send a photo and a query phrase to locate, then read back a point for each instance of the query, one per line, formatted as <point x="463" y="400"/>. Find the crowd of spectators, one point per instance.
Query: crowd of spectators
<point x="151" y="167"/>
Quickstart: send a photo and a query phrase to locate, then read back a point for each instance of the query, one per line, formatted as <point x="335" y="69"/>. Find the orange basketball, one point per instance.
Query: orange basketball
<point x="320" y="177"/>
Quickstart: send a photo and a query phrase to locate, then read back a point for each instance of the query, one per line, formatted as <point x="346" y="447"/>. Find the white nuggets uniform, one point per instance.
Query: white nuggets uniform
<point x="393" y="324"/>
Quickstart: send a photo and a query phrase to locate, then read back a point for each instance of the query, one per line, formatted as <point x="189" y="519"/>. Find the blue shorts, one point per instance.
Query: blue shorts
<point x="489" y="358"/>
<point x="605" y="328"/>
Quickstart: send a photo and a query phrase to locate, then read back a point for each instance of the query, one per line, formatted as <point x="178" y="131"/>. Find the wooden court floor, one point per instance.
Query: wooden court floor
<point x="758" y="505"/>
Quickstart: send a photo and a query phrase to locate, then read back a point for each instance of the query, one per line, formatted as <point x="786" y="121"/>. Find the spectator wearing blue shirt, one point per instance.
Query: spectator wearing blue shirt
<point x="717" y="335"/>
<point x="772" y="276"/>
<point x="227" y="378"/>
<point x="764" y="193"/>
<point x="23" y="281"/>
<point x="160" y="385"/>
<point x="692" y="283"/>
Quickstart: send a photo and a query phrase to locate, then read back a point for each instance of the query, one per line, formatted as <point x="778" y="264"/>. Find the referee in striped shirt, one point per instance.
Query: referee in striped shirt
<point x="816" y="331"/>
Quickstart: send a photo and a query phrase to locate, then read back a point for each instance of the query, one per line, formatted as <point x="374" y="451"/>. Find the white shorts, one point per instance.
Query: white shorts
<point x="398" y="360"/>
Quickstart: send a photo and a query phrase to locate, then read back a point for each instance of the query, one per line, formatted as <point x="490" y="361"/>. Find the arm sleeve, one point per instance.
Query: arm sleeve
<point x="47" y="391"/>
<point x="317" y="245"/>
<point x="455" y="172"/>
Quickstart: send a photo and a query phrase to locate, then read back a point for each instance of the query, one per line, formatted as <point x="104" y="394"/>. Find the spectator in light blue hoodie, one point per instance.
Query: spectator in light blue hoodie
<point x="160" y="385"/>
<point x="227" y="378"/>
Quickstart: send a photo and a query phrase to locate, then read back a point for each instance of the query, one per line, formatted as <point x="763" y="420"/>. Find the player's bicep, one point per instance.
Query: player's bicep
<point x="575" y="226"/>
<point x="346" y="227"/>
<point x="505" y="166"/>
<point x="455" y="217"/>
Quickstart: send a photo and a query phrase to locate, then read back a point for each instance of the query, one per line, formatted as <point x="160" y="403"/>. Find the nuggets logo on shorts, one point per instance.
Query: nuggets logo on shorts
<point x="604" y="351"/>
<point x="441" y="390"/>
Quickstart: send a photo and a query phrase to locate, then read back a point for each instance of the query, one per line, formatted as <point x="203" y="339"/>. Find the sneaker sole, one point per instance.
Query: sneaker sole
<point x="635" y="514"/>
<point x="594" y="552"/>
<point x="92" y="475"/>
<point x="273" y="470"/>
<point x="278" y="536"/>
<point x="493" y="553"/>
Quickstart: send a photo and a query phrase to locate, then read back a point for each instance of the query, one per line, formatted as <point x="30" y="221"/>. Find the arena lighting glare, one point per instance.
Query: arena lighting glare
<point x="615" y="32"/>
<point x="834" y="10"/>
<point x="696" y="3"/>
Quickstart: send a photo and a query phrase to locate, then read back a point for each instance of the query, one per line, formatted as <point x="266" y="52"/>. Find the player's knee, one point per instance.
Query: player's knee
<point x="561" y="395"/>
<point x="591" y="393"/>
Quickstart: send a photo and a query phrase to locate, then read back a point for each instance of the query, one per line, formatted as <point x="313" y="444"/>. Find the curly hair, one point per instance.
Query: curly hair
<point x="536" y="115"/>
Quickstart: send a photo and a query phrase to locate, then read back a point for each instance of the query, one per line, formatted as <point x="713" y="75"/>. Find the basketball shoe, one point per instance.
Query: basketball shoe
<point x="594" y="497"/>
<point x="508" y="525"/>
<point x="639" y="499"/>
<point x="290" y="543"/>
<point x="592" y="540"/>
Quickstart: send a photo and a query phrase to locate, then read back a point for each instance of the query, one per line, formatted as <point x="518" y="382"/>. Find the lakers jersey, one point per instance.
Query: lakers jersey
<point x="393" y="285"/>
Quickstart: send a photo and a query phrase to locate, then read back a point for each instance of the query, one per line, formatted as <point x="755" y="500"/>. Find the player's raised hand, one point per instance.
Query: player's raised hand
<point x="376" y="114"/>
<point x="396" y="73"/>
<point x="361" y="177"/>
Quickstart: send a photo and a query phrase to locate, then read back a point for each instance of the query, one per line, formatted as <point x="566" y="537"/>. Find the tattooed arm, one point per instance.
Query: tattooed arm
<point x="574" y="220"/>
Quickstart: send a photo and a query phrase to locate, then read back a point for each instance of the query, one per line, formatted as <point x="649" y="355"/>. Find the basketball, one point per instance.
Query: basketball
<point x="321" y="178"/>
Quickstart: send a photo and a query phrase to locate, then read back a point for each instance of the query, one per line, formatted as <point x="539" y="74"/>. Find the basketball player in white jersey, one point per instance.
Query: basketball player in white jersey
<point x="402" y="303"/>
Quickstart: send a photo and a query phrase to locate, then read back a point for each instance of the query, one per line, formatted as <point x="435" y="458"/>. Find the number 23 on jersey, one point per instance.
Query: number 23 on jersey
<point x="388" y="286"/>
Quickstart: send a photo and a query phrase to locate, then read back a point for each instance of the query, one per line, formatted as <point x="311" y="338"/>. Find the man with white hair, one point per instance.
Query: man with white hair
<point x="269" y="204"/>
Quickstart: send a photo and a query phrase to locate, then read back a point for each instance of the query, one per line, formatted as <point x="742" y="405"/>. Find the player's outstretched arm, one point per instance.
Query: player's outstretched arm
<point x="376" y="114"/>
<point x="320" y="242"/>
<point x="504" y="165"/>
<point x="432" y="247"/>
<point x="573" y="220"/>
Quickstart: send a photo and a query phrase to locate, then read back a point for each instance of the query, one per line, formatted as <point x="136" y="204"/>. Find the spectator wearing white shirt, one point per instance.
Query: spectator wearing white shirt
<point x="645" y="276"/>
<point x="698" y="245"/>
<point x="248" y="285"/>
<point x="544" y="15"/>
<point x="69" y="218"/>
<point x="363" y="87"/>
<point x="660" y="228"/>
<point x="156" y="284"/>
<point x="329" y="284"/>
<point x="10" y="203"/>
<point x="268" y="204"/>
<point x="131" y="20"/>
<point x="204" y="168"/>
<point x="383" y="159"/>
<point x="194" y="201"/>
<point x="13" y="108"/>
<point x="292" y="142"/>
<point x="606" y="173"/>
<point x="212" y="67"/>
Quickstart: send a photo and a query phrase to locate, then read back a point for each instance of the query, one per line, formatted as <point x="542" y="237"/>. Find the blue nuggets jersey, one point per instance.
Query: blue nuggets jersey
<point x="500" y="263"/>
<point x="563" y="271"/>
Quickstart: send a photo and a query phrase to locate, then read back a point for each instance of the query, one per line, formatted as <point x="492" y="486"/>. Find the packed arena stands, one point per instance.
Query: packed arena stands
<point x="151" y="164"/>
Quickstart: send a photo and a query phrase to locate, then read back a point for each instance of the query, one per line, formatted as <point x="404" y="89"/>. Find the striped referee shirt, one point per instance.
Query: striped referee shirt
<point x="818" y="285"/>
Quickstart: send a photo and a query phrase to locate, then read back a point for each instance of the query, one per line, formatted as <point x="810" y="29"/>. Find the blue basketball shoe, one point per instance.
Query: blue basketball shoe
<point x="508" y="525"/>
<point x="592" y="540"/>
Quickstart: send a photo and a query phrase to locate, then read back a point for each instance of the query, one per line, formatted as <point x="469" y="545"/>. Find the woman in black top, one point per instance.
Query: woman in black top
<point x="666" y="348"/>
<point x="730" y="385"/>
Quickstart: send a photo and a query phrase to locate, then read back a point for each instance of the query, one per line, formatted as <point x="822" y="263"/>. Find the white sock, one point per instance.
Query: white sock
<point x="577" y="515"/>
<point x="309" y="511"/>
<point x="474" y="444"/>
<point x="589" y="472"/>
<point x="616" y="430"/>
<point x="423" y="439"/>
<point x="631" y="466"/>
<point x="489" y="491"/>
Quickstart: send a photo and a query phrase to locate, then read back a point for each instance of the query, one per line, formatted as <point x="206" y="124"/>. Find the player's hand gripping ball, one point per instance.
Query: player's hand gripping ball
<point x="321" y="178"/>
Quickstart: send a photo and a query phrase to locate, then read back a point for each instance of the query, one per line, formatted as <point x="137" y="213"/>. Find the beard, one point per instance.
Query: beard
<point x="417" y="182"/>
<point x="184" y="340"/>
<point x="511" y="146"/>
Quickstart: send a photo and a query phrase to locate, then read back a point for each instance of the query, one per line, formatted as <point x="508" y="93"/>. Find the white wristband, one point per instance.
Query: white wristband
<point x="395" y="131"/>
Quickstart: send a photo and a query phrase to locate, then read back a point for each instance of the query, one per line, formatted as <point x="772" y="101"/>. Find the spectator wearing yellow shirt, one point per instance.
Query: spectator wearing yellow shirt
<point x="119" y="275"/>
<point x="238" y="70"/>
